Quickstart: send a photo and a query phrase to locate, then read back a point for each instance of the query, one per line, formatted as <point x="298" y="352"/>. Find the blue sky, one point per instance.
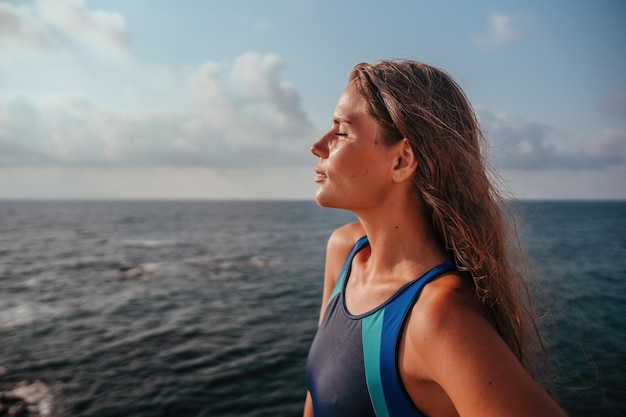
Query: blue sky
<point x="206" y="99"/>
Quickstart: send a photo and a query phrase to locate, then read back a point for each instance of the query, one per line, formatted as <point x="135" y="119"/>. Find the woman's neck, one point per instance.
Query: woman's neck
<point x="402" y="242"/>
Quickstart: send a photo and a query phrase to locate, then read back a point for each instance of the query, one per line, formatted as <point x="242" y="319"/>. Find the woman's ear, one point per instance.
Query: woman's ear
<point x="405" y="161"/>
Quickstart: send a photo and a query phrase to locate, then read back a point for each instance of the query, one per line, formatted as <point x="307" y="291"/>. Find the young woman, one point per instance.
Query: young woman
<point x="422" y="313"/>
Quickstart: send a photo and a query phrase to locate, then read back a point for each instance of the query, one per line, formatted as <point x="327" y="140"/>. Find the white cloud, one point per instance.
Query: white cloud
<point x="93" y="28"/>
<point x="21" y="27"/>
<point x="250" y="103"/>
<point x="610" y="145"/>
<point x="48" y="25"/>
<point x="500" y="32"/>
<point x="245" y="117"/>
<point x="523" y="145"/>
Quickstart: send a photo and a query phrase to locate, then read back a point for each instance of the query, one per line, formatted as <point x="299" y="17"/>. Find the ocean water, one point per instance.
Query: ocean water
<point x="208" y="308"/>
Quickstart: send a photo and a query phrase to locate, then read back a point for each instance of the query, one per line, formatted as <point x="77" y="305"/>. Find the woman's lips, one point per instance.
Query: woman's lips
<point x="321" y="176"/>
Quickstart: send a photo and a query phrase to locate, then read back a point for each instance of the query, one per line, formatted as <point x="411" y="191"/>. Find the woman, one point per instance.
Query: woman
<point x="404" y="155"/>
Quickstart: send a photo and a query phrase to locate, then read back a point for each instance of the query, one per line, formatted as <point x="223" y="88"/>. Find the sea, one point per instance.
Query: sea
<point x="208" y="308"/>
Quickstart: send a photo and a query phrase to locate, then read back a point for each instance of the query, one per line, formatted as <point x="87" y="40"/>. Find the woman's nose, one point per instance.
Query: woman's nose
<point x="320" y="148"/>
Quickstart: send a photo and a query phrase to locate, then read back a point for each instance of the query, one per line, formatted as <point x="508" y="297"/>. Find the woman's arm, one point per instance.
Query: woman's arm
<point x="453" y="344"/>
<point x="308" y="406"/>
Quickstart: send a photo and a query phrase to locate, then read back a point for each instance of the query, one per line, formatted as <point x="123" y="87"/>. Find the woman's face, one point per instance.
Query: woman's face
<point x="354" y="167"/>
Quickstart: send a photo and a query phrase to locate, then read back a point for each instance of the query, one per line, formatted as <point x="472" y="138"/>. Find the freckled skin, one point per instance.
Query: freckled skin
<point x="352" y="159"/>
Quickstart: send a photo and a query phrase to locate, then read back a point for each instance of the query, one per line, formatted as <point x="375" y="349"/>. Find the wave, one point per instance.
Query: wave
<point x="26" y="314"/>
<point x="256" y="261"/>
<point x="34" y="399"/>
<point x="149" y="243"/>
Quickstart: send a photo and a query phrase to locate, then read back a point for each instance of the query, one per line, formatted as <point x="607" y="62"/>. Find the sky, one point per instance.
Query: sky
<point x="154" y="99"/>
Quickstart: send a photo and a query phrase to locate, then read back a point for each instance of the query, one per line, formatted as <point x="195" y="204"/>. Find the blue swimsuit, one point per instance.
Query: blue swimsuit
<point x="351" y="368"/>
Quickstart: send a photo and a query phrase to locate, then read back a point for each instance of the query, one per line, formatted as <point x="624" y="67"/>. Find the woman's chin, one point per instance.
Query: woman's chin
<point x="322" y="198"/>
<point x="326" y="201"/>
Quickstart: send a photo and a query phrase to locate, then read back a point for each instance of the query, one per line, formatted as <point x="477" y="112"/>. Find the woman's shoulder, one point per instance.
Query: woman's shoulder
<point x="451" y="341"/>
<point x="448" y="323"/>
<point x="344" y="237"/>
<point x="446" y="302"/>
<point x="340" y="243"/>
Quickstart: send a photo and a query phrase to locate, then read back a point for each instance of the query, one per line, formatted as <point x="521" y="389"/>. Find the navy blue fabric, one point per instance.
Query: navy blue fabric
<point x="338" y="390"/>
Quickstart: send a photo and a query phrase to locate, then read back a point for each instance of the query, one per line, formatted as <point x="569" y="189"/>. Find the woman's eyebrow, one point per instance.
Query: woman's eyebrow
<point x="341" y="120"/>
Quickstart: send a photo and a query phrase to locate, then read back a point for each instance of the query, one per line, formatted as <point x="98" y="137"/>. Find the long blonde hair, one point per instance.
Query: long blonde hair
<point x="426" y="106"/>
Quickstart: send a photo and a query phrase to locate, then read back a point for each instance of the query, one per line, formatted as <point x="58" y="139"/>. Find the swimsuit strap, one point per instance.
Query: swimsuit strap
<point x="347" y="266"/>
<point x="381" y="337"/>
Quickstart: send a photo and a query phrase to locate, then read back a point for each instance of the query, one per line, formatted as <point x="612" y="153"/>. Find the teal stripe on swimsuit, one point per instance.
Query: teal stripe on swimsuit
<point x="372" y="329"/>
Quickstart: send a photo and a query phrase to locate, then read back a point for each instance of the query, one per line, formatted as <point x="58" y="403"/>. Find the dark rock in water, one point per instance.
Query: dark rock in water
<point x="11" y="406"/>
<point x="134" y="271"/>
